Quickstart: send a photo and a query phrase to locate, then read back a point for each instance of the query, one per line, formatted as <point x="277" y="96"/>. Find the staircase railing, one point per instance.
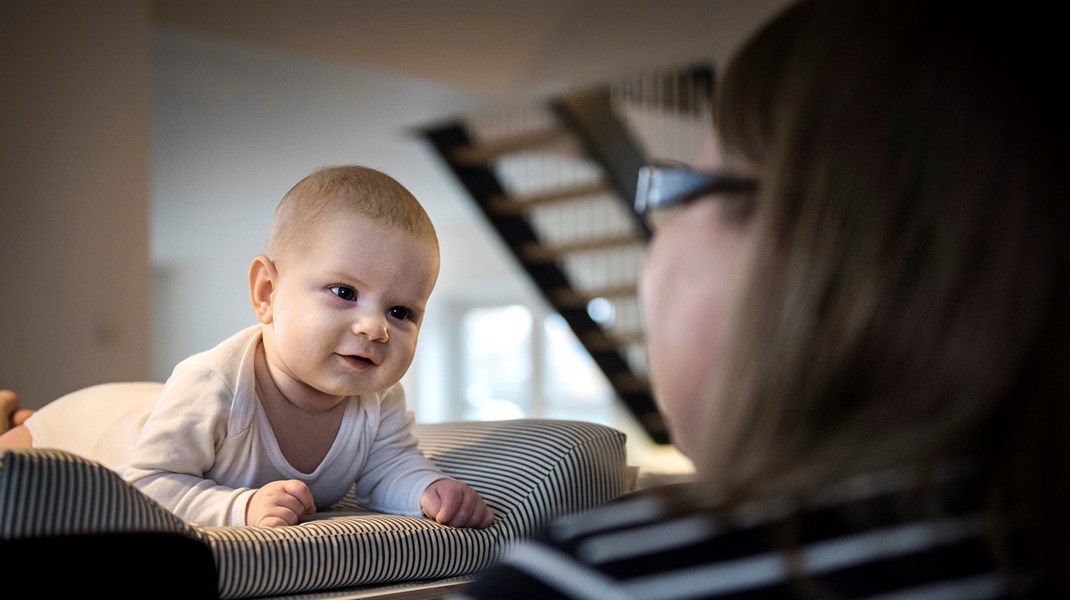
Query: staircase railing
<point x="556" y="180"/>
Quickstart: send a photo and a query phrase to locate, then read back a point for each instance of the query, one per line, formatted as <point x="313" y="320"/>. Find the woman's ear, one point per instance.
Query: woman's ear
<point x="262" y="278"/>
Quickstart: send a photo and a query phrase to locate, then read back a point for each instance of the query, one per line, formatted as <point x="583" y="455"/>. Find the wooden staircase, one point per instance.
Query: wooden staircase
<point x="556" y="181"/>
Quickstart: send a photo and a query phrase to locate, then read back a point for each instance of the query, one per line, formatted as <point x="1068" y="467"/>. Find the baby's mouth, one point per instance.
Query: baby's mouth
<point x="356" y="359"/>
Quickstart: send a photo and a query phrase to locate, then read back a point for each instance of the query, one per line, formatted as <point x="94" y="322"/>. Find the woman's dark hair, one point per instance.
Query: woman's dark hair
<point x="909" y="301"/>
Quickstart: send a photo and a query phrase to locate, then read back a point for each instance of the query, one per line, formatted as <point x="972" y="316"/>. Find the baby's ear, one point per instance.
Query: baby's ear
<point x="262" y="278"/>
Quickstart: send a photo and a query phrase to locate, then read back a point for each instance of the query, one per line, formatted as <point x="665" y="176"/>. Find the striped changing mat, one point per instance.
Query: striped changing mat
<point x="528" y="470"/>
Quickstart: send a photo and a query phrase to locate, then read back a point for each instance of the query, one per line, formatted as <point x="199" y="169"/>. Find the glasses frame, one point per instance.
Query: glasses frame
<point x="664" y="185"/>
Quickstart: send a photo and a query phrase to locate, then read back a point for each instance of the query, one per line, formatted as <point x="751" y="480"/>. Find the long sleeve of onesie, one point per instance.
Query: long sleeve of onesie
<point x="396" y="473"/>
<point x="207" y="446"/>
<point x="181" y="442"/>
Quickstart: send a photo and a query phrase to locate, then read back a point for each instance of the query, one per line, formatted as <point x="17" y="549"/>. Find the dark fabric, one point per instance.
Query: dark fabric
<point x="111" y="565"/>
<point x="876" y="539"/>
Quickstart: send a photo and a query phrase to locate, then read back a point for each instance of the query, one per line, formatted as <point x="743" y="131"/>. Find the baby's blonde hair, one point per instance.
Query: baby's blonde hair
<point x="352" y="189"/>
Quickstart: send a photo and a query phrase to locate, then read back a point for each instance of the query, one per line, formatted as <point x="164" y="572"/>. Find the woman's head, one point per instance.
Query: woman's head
<point x="905" y="300"/>
<point x="690" y="288"/>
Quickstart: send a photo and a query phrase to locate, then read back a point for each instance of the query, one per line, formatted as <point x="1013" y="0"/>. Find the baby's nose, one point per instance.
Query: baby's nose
<point x="374" y="326"/>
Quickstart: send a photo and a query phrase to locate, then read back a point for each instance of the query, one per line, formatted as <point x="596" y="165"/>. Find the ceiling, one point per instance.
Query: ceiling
<point x="507" y="47"/>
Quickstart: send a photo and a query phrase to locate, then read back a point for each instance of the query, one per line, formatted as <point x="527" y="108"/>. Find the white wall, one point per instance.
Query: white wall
<point x="74" y="263"/>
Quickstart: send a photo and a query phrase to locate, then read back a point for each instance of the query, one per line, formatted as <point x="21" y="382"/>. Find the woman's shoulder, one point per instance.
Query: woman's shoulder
<point x="866" y="538"/>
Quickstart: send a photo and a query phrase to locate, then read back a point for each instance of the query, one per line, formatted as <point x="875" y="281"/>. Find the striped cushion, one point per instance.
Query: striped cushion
<point x="528" y="471"/>
<point x="49" y="492"/>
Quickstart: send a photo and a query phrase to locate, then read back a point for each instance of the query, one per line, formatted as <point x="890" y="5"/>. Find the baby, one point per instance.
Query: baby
<point x="283" y="417"/>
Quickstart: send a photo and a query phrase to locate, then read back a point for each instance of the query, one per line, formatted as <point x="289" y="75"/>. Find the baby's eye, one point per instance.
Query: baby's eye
<point x="400" y="312"/>
<point x="344" y="292"/>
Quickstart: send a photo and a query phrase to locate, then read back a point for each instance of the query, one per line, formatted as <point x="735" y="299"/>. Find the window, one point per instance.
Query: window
<point x="519" y="363"/>
<point x="511" y="361"/>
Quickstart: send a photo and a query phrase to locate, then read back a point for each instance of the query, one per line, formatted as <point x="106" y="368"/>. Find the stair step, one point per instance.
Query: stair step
<point x="511" y="205"/>
<point x="572" y="298"/>
<point x="541" y="253"/>
<point x="487" y="152"/>
<point x="605" y="341"/>
<point x="629" y="383"/>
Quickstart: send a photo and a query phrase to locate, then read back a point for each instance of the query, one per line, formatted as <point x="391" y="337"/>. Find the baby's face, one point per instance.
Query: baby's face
<point x="347" y="307"/>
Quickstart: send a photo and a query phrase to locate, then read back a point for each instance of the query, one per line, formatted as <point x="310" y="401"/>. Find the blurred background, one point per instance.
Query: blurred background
<point x="147" y="142"/>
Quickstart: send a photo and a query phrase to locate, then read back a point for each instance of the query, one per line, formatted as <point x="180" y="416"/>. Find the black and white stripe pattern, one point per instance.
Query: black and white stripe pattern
<point x="49" y="492"/>
<point x="529" y="471"/>
<point x="880" y="545"/>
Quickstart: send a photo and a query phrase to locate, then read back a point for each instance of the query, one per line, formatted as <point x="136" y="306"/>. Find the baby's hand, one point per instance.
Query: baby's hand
<point x="279" y="503"/>
<point x="453" y="503"/>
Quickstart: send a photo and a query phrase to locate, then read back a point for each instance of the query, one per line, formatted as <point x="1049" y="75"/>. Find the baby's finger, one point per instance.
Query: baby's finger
<point x="278" y="515"/>
<point x="271" y="521"/>
<point x="487" y="518"/>
<point x="481" y="515"/>
<point x="448" y="506"/>
<point x="463" y="515"/>
<point x="299" y="492"/>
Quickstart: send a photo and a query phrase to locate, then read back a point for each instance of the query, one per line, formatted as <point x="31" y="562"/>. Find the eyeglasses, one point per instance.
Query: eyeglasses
<point x="664" y="185"/>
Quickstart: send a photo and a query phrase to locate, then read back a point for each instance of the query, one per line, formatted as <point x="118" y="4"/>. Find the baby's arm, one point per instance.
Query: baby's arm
<point x="454" y="503"/>
<point x="181" y="441"/>
<point x="395" y="473"/>
<point x="279" y="503"/>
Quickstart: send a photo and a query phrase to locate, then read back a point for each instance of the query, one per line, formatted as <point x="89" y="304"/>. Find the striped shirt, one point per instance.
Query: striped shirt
<point x="876" y="537"/>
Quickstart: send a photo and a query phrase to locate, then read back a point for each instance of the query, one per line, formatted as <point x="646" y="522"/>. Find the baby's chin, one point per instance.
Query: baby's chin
<point x="361" y="388"/>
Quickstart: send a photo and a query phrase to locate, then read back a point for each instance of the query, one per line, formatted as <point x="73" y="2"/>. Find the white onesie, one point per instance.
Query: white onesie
<point x="206" y="445"/>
